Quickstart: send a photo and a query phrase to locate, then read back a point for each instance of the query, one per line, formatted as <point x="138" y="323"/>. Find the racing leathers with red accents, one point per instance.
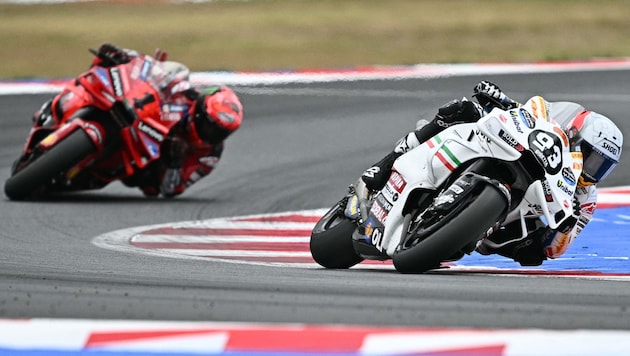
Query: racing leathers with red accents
<point x="185" y="158"/>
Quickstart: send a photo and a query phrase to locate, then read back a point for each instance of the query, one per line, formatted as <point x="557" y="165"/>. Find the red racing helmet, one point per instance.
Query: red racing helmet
<point x="217" y="114"/>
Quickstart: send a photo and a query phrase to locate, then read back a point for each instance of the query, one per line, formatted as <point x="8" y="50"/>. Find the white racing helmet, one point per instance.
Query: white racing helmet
<point x="599" y="140"/>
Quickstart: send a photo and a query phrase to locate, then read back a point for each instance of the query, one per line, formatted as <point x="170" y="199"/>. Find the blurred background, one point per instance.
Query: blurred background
<point x="51" y="38"/>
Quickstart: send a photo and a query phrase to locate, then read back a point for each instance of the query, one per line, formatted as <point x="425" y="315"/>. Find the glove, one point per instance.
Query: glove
<point x="490" y="96"/>
<point x="111" y="55"/>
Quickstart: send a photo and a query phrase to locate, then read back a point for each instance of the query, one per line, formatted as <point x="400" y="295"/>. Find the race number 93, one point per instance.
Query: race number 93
<point x="548" y="149"/>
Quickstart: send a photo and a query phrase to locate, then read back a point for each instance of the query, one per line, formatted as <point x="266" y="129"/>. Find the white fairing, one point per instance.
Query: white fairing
<point x="502" y="135"/>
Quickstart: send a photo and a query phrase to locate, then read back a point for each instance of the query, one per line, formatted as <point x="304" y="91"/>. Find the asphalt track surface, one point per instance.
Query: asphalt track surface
<point x="299" y="148"/>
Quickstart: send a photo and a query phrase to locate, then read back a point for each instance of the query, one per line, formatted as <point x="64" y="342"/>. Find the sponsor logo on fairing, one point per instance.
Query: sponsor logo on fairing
<point x="154" y="150"/>
<point x="380" y="209"/>
<point x="151" y="132"/>
<point x="146" y="68"/>
<point x="384" y="203"/>
<point x="175" y="107"/>
<point x="568" y="176"/>
<point x="547" y="190"/>
<point x="173" y="112"/>
<point x="116" y="81"/>
<point x="389" y="192"/>
<point x="397" y="181"/>
<point x="374" y="234"/>
<point x="510" y="140"/>
<point x="101" y="74"/>
<point x="527" y="118"/>
<point x="564" y="188"/>
<point x="516" y="121"/>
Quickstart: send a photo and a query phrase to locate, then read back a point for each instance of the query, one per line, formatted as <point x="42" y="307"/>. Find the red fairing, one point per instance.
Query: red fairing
<point x="120" y="108"/>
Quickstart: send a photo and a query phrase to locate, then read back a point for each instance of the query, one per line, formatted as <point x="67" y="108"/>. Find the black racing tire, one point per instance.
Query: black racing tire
<point x="331" y="241"/>
<point x="65" y="154"/>
<point x="454" y="233"/>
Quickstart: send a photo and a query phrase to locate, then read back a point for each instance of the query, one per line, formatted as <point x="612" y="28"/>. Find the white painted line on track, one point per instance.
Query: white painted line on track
<point x="418" y="71"/>
<point x="144" y="338"/>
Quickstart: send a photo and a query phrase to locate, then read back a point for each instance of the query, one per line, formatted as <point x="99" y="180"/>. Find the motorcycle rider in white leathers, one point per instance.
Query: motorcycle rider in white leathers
<point x="595" y="135"/>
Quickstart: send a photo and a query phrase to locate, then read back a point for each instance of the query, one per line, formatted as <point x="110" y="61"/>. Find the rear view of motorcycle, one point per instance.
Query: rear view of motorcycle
<point x="103" y="126"/>
<point x="446" y="195"/>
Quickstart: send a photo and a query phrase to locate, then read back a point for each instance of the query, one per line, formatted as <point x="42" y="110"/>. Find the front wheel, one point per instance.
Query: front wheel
<point x="63" y="156"/>
<point x="331" y="240"/>
<point x="451" y="232"/>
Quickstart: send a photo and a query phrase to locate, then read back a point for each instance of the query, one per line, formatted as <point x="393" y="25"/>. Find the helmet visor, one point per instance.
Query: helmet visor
<point x="597" y="165"/>
<point x="209" y="131"/>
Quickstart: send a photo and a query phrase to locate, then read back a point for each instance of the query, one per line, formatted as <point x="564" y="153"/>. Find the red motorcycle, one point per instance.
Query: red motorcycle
<point x="108" y="125"/>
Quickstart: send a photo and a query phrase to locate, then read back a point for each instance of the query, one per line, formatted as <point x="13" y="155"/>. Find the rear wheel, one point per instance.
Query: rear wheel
<point x="331" y="240"/>
<point x="438" y="239"/>
<point x="65" y="154"/>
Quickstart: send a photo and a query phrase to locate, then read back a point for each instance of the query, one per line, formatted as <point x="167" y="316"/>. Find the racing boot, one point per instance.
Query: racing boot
<point x="507" y="242"/>
<point x="376" y="176"/>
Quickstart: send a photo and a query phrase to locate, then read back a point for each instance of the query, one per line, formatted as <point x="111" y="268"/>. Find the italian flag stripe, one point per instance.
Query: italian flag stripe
<point x="448" y="164"/>
<point x="449" y="160"/>
<point x="436" y="140"/>
<point x="451" y="155"/>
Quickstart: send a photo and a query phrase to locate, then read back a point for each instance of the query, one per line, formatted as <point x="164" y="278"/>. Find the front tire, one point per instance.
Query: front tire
<point x="331" y="240"/>
<point x="453" y="232"/>
<point x="63" y="156"/>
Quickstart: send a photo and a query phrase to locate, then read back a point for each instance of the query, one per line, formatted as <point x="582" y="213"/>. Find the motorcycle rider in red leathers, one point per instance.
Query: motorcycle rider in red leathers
<point x="596" y="136"/>
<point x="195" y="144"/>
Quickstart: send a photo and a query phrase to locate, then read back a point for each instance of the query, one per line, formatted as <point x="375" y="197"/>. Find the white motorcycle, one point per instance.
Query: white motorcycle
<point x="449" y="193"/>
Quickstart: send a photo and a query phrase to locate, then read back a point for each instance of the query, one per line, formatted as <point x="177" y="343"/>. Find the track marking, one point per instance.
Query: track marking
<point x="282" y="240"/>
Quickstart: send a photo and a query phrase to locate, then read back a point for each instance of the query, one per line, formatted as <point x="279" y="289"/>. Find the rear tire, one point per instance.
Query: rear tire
<point x="331" y="240"/>
<point x="65" y="154"/>
<point x="453" y="234"/>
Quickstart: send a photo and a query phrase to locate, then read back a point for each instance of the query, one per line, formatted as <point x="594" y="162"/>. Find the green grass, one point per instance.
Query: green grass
<point x="52" y="40"/>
